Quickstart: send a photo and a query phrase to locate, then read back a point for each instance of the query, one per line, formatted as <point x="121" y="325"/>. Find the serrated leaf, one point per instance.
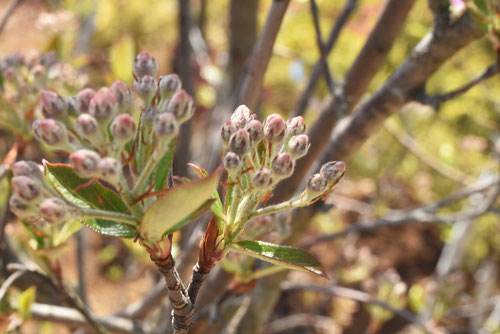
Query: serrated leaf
<point x="163" y="166"/>
<point x="285" y="256"/>
<point x="111" y="228"/>
<point x="177" y="204"/>
<point x="25" y="301"/>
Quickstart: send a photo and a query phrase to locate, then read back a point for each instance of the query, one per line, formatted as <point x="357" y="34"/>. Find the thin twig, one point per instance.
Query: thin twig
<point x="9" y="281"/>
<point x="80" y="262"/>
<point x="8" y="13"/>
<point x="324" y="323"/>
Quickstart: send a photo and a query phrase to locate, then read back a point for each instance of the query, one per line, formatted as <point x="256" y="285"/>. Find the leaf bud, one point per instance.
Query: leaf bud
<point x="123" y="127"/>
<point x="145" y="64"/>
<point x="241" y="116"/>
<point x="181" y="105"/>
<point x="110" y="169"/>
<point x="166" y="126"/>
<point x="240" y="142"/>
<point x="333" y="171"/>
<point x="274" y="128"/>
<point x="283" y="164"/>
<point x="82" y="100"/>
<point x="51" y="104"/>
<point x="123" y="94"/>
<point x="298" y="146"/>
<point x="263" y="178"/>
<point x="86" y="125"/>
<point x="50" y="131"/>
<point x="103" y="105"/>
<point x="21" y="209"/>
<point x="317" y="183"/>
<point x="27" y="189"/>
<point x="227" y="131"/>
<point x="232" y="163"/>
<point x="296" y="126"/>
<point x="255" y="130"/>
<point x="169" y="85"/>
<point x="146" y="87"/>
<point x="26" y="168"/>
<point x="85" y="163"/>
<point x="53" y="210"/>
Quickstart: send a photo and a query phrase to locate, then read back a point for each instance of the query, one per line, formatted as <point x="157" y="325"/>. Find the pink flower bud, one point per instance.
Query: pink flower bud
<point x="50" y="131"/>
<point x="166" y="126"/>
<point x="27" y="189"/>
<point x="145" y="64"/>
<point x="227" y="131"/>
<point x="26" y="168"/>
<point x="53" y="210"/>
<point x="296" y="126"/>
<point x="51" y="104"/>
<point x="169" y="85"/>
<point x="283" y="164"/>
<point x="298" y="146"/>
<point x="110" y="169"/>
<point x="148" y="117"/>
<point x="240" y="142"/>
<point x="146" y="87"/>
<point x="333" y="171"/>
<point x="86" y="125"/>
<point x="263" y="178"/>
<point x="83" y="99"/>
<point x="232" y="162"/>
<point x="255" y="130"/>
<point x="241" y="116"/>
<point x="85" y="163"/>
<point x="123" y="94"/>
<point x="103" y="105"/>
<point x="317" y="183"/>
<point x="21" y="209"/>
<point x="274" y="128"/>
<point x="123" y="127"/>
<point x="181" y="105"/>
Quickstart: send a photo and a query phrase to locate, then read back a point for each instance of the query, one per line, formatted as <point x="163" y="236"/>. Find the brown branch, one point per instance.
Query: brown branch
<point x="8" y="13"/>
<point x="324" y="323"/>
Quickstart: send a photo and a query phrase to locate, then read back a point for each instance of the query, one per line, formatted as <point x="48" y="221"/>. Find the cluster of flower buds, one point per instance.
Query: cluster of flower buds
<point x="320" y="183"/>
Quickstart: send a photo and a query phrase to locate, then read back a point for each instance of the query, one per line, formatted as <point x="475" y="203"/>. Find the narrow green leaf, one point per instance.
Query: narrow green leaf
<point x="286" y="256"/>
<point x="483" y="6"/>
<point x="163" y="167"/>
<point x="110" y="228"/>
<point x="25" y="301"/>
<point x="177" y="204"/>
<point x="195" y="214"/>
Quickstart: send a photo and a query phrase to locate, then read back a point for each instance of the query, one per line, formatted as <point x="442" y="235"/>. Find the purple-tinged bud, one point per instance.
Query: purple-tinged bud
<point x="181" y="105"/>
<point x="21" y="209"/>
<point x="255" y="130"/>
<point x="146" y="87"/>
<point x="148" y="117"/>
<point x="274" y="128"/>
<point x="83" y="99"/>
<point x="241" y="116"/>
<point x="298" y="146"/>
<point x="169" y="85"/>
<point x="123" y="127"/>
<point x="240" y="142"/>
<point x="317" y="183"/>
<point x="38" y="72"/>
<point x="166" y="126"/>
<point x="333" y="171"/>
<point x="145" y="64"/>
<point x="110" y="169"/>
<point x="103" y="105"/>
<point x="85" y="162"/>
<point x="227" y="131"/>
<point x="53" y="210"/>
<point x="26" y="168"/>
<point x="51" y="104"/>
<point x="232" y="162"/>
<point x="48" y="59"/>
<point x="27" y="189"/>
<point x="71" y="102"/>
<point x="283" y="164"/>
<point x="296" y="126"/>
<point x="263" y="178"/>
<point x="123" y="94"/>
<point x="86" y="125"/>
<point x="50" y="131"/>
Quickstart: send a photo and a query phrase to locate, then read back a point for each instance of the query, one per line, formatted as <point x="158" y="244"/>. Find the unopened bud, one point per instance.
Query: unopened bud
<point x="27" y="189"/>
<point x="110" y="169"/>
<point x="255" y="130"/>
<point x="148" y="117"/>
<point x="26" y="168"/>
<point x="21" y="209"/>
<point x="227" y="131"/>
<point x="53" y="210"/>
<point x="123" y="94"/>
<point x="240" y="142"/>
<point x="86" y="125"/>
<point x="298" y="146"/>
<point x="317" y="183"/>
<point x="181" y="105"/>
<point x="103" y="105"/>
<point x="296" y="126"/>
<point x="283" y="164"/>
<point x="85" y="163"/>
<point x="169" y="85"/>
<point x="241" y="116"/>
<point x="333" y="171"/>
<point x="50" y="131"/>
<point x="166" y="126"/>
<point x="274" y="128"/>
<point x="146" y="87"/>
<point x="232" y="162"/>
<point x="145" y="64"/>
<point x="51" y="104"/>
<point x="123" y="127"/>
<point x="38" y="72"/>
<point x="83" y="99"/>
<point x="263" y="178"/>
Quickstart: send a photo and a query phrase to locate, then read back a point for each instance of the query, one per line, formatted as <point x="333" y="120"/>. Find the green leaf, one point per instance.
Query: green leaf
<point x="122" y="55"/>
<point x="111" y="228"/>
<point x="286" y="256"/>
<point x="195" y="214"/>
<point x="163" y="166"/>
<point x="25" y="301"/>
<point x="483" y="6"/>
<point x="177" y="204"/>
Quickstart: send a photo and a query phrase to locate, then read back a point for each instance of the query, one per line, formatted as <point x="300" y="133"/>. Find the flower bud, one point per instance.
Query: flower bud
<point x="255" y="130"/>
<point x="26" y="168"/>
<point x="283" y="164"/>
<point x="27" y="189"/>
<point x="110" y="169"/>
<point x="274" y="128"/>
<point x="296" y="126"/>
<point x="146" y="87"/>
<point x="48" y="59"/>
<point x="103" y="105"/>
<point x="333" y="171"/>
<point x="85" y="162"/>
<point x="263" y="178"/>
<point x="145" y="64"/>
<point x="148" y="117"/>
<point x="38" y="73"/>
<point x="21" y="209"/>
<point x="241" y="116"/>
<point x="51" y="104"/>
<point x="227" y="131"/>
<point x="83" y="99"/>
<point x="53" y="210"/>
<point x="169" y="85"/>
<point x="240" y="142"/>
<point x="166" y="126"/>
<point x="298" y="146"/>
<point x="86" y="125"/>
<point x="123" y="127"/>
<point x="50" y="131"/>
<point x="317" y="183"/>
<point x="181" y="105"/>
<point x="123" y="94"/>
<point x="232" y="162"/>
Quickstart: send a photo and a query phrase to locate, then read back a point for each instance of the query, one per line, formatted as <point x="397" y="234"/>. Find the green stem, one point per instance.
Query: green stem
<point x="109" y="215"/>
<point x="135" y="209"/>
<point x="295" y="202"/>
<point x="142" y="180"/>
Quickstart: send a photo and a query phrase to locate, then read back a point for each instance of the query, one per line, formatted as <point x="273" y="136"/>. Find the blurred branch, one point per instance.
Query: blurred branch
<point x="355" y="295"/>
<point x="323" y="323"/>
<point x="8" y="13"/>
<point x="80" y="263"/>
<point x="85" y="31"/>
<point x="9" y="282"/>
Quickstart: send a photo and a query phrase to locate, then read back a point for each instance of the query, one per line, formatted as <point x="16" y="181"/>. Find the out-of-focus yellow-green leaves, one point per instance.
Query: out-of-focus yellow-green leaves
<point x="121" y="58"/>
<point x="24" y="302"/>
